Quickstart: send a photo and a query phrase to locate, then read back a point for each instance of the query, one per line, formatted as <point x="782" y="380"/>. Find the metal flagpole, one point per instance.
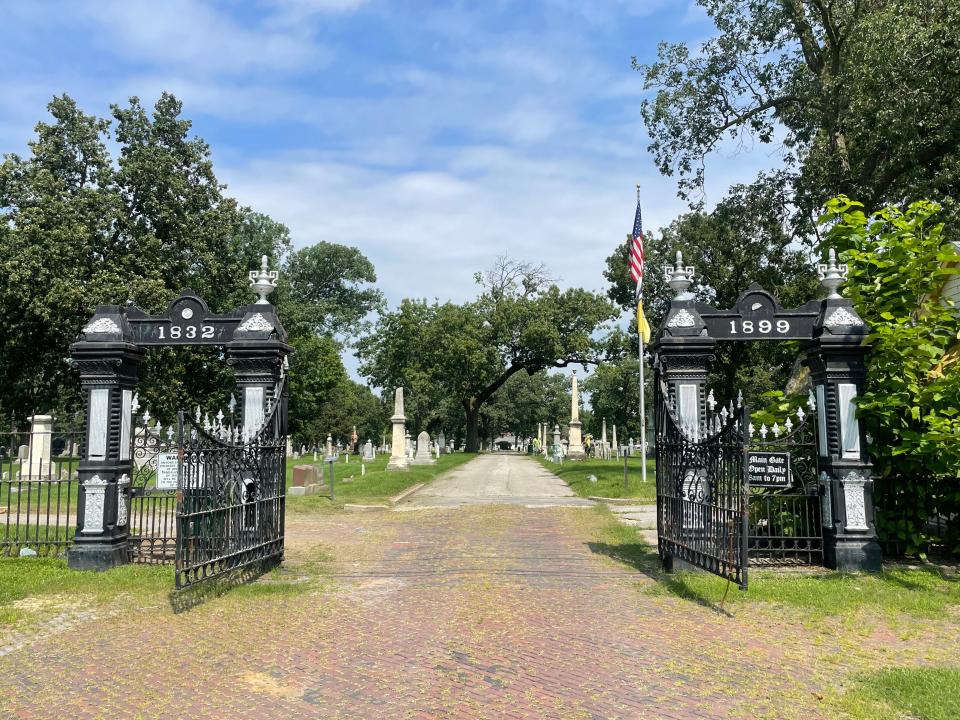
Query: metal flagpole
<point x="643" y="416"/>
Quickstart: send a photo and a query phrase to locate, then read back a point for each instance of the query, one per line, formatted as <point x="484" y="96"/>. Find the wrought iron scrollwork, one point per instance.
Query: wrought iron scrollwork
<point x="232" y="493"/>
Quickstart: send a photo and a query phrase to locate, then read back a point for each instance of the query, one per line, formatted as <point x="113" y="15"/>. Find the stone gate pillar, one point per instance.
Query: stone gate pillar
<point x="836" y="357"/>
<point x="107" y="360"/>
<point x="258" y="354"/>
<point x="683" y="351"/>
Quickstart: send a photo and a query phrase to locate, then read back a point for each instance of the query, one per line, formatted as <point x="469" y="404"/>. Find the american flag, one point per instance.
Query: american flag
<point x="636" y="249"/>
<point x="636" y="270"/>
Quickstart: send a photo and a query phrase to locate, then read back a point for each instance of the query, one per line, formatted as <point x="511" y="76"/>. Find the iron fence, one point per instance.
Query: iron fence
<point x="785" y="529"/>
<point x="926" y="508"/>
<point x="39" y="486"/>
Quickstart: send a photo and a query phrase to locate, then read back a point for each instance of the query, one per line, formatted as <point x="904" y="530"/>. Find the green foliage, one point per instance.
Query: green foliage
<point x="525" y="400"/>
<point x="743" y="240"/>
<point x="465" y="353"/>
<point x="79" y="228"/>
<point x="327" y="290"/>
<point x="899" y="262"/>
<point x="863" y="98"/>
<point x="776" y="406"/>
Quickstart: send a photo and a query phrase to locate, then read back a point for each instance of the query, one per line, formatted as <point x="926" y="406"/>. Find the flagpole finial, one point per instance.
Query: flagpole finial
<point x="638" y="192"/>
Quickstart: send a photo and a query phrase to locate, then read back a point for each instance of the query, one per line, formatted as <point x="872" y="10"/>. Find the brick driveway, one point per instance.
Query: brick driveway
<point x="478" y="612"/>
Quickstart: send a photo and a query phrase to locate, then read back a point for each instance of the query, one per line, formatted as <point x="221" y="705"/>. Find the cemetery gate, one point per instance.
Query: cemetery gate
<point x="204" y="491"/>
<point x="729" y="492"/>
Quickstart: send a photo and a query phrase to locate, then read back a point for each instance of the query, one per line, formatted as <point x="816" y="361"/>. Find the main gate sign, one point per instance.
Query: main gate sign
<point x="711" y="529"/>
<point x="225" y="477"/>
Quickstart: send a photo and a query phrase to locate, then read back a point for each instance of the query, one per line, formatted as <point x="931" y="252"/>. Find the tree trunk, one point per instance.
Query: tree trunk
<point x="472" y="409"/>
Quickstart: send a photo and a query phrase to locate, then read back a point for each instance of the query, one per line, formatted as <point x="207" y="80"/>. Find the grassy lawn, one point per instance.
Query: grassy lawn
<point x="609" y="474"/>
<point x="914" y="693"/>
<point x="374" y="487"/>
<point x="927" y="592"/>
<point x="847" y="608"/>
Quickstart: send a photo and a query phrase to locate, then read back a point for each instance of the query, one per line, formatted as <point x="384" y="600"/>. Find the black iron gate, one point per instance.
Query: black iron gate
<point x="701" y="493"/>
<point x="785" y="506"/>
<point x="231" y="495"/>
<point x="153" y="490"/>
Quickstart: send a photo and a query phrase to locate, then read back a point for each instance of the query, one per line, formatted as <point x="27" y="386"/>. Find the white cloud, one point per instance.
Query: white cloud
<point x="197" y="37"/>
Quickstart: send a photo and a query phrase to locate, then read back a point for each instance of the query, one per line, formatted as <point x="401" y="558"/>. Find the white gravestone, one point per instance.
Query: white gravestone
<point x="424" y="455"/>
<point x="38" y="453"/>
<point x="398" y="455"/>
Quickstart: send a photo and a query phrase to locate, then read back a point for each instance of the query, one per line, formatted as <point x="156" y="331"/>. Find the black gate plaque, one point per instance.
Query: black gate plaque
<point x="768" y="469"/>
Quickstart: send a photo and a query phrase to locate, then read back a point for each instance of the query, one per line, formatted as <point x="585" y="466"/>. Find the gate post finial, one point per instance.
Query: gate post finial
<point x="679" y="278"/>
<point x="263" y="282"/>
<point x="832" y="276"/>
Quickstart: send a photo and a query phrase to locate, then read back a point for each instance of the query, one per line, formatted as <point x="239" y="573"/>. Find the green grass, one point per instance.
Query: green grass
<point x="609" y="474"/>
<point x="925" y="592"/>
<point x="374" y="487"/>
<point x="905" y="693"/>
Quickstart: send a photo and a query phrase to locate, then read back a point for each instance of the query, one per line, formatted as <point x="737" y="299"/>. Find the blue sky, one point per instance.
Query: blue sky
<point x="433" y="136"/>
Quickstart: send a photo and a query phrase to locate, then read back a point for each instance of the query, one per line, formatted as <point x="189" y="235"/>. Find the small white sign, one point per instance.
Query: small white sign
<point x="168" y="467"/>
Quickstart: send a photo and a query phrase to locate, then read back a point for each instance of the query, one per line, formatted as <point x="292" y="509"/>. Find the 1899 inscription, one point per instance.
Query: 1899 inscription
<point x="760" y="327"/>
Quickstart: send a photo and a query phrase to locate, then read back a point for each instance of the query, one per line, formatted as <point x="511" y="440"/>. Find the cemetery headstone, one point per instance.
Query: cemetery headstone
<point x="305" y="480"/>
<point x="398" y="454"/>
<point x="424" y="456"/>
<point x="38" y="452"/>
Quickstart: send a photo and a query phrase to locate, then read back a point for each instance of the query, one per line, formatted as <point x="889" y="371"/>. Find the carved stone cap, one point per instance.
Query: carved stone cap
<point x="260" y="322"/>
<point x="108" y="324"/>
<point x="838" y="317"/>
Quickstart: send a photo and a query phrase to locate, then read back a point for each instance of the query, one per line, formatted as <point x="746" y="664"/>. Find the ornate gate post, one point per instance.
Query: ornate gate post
<point x="836" y="358"/>
<point x="107" y="360"/>
<point x="257" y="353"/>
<point x="683" y="351"/>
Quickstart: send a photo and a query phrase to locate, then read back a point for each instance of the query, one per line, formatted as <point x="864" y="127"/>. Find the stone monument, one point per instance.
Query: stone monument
<point x="615" y="447"/>
<point x="38" y="453"/>
<point x="398" y="446"/>
<point x="368" y="453"/>
<point x="575" y="439"/>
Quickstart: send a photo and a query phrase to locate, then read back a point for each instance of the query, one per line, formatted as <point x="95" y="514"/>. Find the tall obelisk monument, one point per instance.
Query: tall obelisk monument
<point x="575" y="439"/>
<point x="398" y="447"/>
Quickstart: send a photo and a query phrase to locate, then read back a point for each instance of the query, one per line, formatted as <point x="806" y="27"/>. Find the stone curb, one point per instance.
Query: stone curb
<point x="620" y="501"/>
<point x="351" y="506"/>
<point x="409" y="491"/>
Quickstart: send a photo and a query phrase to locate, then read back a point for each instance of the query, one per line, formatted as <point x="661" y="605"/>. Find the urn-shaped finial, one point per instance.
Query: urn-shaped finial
<point x="832" y="275"/>
<point x="263" y="282"/>
<point x="679" y="277"/>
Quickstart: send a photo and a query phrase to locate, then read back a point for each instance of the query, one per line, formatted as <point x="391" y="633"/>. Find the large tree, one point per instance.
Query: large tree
<point x="743" y="240"/>
<point x="863" y="97"/>
<point x="521" y="322"/>
<point x="79" y="228"/>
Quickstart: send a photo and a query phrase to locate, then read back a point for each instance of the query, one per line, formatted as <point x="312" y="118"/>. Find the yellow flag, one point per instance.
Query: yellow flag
<point x="643" y="327"/>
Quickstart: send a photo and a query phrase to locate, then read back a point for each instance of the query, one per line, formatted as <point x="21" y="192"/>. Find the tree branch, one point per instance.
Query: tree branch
<point x="762" y="107"/>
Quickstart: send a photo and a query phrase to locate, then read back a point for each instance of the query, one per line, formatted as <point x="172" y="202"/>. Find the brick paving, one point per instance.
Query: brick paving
<point x="477" y="612"/>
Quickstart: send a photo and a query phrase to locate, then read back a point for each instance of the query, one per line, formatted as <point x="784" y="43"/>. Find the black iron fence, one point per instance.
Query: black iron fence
<point x="39" y="486"/>
<point x="918" y="515"/>
<point x="785" y="529"/>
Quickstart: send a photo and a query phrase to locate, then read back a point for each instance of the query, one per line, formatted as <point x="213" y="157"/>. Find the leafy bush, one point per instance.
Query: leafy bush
<point x="899" y="263"/>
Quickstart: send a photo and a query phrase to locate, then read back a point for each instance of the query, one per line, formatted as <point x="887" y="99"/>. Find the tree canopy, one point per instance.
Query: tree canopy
<point x="863" y="97"/>
<point x="80" y="228"/>
<point x="521" y="322"/>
